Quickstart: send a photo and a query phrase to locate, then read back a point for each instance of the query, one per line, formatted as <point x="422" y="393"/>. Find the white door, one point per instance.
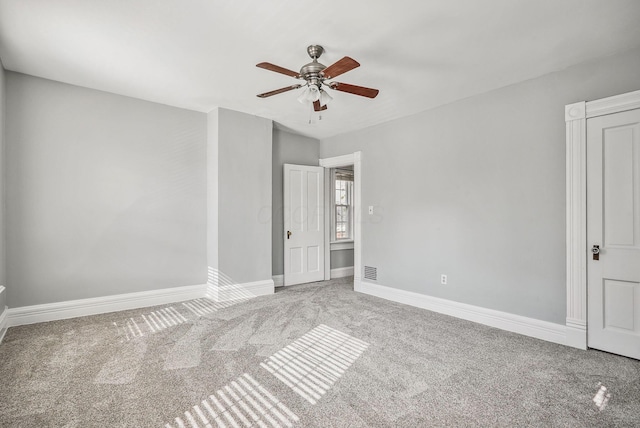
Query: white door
<point x="613" y="218"/>
<point x="303" y="224"/>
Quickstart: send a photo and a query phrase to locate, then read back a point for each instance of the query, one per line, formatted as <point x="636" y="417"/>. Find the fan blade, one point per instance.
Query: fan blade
<point x="278" y="69"/>
<point x="353" y="89"/>
<point x="318" y="107"/>
<point x="340" y="67"/>
<point x="279" y="91"/>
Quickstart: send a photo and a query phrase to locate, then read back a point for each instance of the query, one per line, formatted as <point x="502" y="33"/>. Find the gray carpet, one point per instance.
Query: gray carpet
<point x="314" y="355"/>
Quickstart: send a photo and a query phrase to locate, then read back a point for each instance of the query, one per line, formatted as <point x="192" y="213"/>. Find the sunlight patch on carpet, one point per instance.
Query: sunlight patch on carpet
<point x="204" y="306"/>
<point x="314" y="362"/>
<point x="162" y="319"/>
<point x="242" y="403"/>
<point x="602" y="397"/>
<point x="149" y="323"/>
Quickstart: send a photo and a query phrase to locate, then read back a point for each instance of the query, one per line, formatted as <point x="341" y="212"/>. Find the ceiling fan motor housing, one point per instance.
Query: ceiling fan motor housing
<point x="311" y="71"/>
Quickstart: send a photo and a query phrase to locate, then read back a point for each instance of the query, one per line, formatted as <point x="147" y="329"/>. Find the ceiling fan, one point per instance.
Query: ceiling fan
<point x="316" y="76"/>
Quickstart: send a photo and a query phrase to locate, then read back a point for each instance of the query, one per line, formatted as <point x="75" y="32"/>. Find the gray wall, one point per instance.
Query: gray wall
<point x="287" y="148"/>
<point x="3" y="92"/>
<point x="3" y="295"/>
<point x="244" y="196"/>
<point x="341" y="258"/>
<point x="476" y="190"/>
<point x="105" y="194"/>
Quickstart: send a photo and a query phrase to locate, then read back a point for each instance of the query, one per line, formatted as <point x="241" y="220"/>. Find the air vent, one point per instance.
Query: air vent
<point x="371" y="273"/>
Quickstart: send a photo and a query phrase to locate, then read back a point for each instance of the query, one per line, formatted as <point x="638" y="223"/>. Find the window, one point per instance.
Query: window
<point x="342" y="202"/>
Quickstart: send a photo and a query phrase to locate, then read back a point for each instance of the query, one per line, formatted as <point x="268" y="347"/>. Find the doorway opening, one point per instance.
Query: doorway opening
<point x="343" y="214"/>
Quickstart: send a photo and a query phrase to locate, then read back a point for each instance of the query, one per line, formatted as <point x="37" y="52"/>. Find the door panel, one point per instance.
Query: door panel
<point x="294" y="179"/>
<point x="619" y="221"/>
<point x="621" y="306"/>
<point x="315" y="192"/>
<point x="304" y="219"/>
<point x="613" y="218"/>
<point x="313" y="259"/>
<point x="295" y="257"/>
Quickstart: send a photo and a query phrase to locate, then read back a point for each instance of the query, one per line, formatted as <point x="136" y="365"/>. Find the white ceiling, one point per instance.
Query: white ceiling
<point x="201" y="54"/>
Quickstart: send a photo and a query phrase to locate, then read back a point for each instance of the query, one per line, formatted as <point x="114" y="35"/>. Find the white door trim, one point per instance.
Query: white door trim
<point x="576" y="116"/>
<point x="354" y="159"/>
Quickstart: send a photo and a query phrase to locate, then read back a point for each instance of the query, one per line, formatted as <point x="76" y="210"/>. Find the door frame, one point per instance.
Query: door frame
<point x="576" y="116"/>
<point x="354" y="159"/>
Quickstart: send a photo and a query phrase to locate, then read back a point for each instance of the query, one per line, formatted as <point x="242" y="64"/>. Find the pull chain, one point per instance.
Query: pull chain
<point x="311" y="112"/>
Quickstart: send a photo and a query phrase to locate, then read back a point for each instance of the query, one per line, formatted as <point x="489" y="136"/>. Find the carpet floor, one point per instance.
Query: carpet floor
<point x="313" y="355"/>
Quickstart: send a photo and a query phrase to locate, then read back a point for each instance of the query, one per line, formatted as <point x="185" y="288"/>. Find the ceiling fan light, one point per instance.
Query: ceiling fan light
<point x="325" y="98"/>
<point x="313" y="93"/>
<point x="302" y="99"/>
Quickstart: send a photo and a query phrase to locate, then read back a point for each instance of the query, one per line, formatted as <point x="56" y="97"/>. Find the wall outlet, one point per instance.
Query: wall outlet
<point x="443" y="279"/>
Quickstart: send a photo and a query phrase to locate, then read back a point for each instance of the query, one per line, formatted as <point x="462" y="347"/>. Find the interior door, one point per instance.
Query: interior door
<point x="303" y="224"/>
<point x="613" y="219"/>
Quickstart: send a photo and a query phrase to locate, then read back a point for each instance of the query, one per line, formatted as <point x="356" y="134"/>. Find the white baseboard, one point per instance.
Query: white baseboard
<point x="544" y="330"/>
<point x="341" y="272"/>
<point x="4" y="325"/>
<point x="222" y="293"/>
<point x="278" y="280"/>
<point x="99" y="305"/>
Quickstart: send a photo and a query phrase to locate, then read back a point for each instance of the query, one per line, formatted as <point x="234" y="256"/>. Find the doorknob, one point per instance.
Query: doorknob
<point x="596" y="252"/>
<point x="288" y="234"/>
